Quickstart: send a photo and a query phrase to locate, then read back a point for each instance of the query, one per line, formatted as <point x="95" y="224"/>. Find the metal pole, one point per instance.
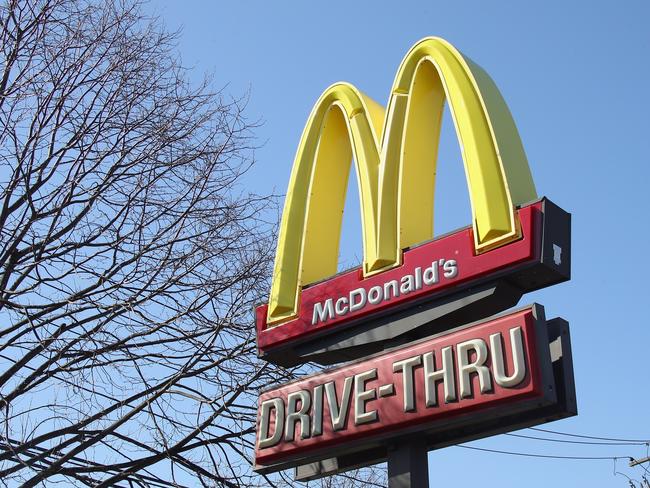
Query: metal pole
<point x="407" y="465"/>
<point x="634" y="462"/>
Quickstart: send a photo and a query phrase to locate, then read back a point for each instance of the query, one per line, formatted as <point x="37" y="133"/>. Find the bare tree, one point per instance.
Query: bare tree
<point x="130" y="257"/>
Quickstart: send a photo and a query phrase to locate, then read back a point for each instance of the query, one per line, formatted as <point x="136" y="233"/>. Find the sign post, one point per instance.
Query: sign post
<point x="407" y="459"/>
<point x="431" y="355"/>
<point x="407" y="465"/>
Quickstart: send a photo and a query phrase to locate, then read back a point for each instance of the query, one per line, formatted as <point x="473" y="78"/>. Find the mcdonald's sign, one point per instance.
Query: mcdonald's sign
<point x="516" y="242"/>
<point x="431" y="359"/>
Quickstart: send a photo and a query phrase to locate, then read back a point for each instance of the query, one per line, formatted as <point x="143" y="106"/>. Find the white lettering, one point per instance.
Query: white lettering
<point x="467" y="367"/>
<point x="518" y="362"/>
<point x="360" y="297"/>
<point x="361" y="396"/>
<point x="450" y="268"/>
<point x="295" y="414"/>
<point x="338" y="413"/>
<point x="444" y="374"/>
<point x="330" y="404"/>
<point x="406" y="367"/>
<point x="431" y="274"/>
<point x="418" y="278"/>
<point x="268" y="406"/>
<point x="317" y="412"/>
<point x="407" y="285"/>
<point x="375" y="295"/>
<point x="361" y="293"/>
<point x="391" y="285"/>
<point x="322" y="313"/>
<point x="341" y="307"/>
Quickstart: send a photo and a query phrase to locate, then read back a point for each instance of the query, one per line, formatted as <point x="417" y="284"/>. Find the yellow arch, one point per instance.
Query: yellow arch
<point x="395" y="157"/>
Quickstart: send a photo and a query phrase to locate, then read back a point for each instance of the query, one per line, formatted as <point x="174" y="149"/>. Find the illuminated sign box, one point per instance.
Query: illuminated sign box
<point x="461" y="384"/>
<point x="343" y="317"/>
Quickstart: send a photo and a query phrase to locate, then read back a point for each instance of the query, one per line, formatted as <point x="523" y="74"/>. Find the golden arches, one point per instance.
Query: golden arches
<point x="395" y="157"/>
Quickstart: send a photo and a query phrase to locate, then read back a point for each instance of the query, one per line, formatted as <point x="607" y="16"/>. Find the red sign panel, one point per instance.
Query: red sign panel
<point x="428" y="269"/>
<point x="439" y="380"/>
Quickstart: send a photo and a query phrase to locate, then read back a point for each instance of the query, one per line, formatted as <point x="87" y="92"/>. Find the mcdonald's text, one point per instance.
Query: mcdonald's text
<point x="360" y="297"/>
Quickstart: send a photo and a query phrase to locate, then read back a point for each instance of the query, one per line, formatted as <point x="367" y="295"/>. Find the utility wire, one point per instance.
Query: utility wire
<point x="639" y="441"/>
<point x="591" y="443"/>
<point x="547" y="456"/>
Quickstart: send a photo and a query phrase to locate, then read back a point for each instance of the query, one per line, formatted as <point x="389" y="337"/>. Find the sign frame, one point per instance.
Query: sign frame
<point x="553" y="351"/>
<point x="547" y="228"/>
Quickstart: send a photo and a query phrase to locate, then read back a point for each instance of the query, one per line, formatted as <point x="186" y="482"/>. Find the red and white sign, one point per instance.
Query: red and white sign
<point x="463" y="373"/>
<point x="432" y="268"/>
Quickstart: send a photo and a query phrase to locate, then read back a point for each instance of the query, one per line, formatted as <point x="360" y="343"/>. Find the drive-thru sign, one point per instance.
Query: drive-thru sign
<point x="471" y="377"/>
<point x="427" y="361"/>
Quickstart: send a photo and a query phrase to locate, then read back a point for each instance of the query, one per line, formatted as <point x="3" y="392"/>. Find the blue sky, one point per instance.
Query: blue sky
<point x="575" y="76"/>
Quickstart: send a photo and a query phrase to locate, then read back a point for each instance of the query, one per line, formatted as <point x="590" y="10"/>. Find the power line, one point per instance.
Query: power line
<point x="639" y="441"/>
<point x="546" y="456"/>
<point x="591" y="443"/>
